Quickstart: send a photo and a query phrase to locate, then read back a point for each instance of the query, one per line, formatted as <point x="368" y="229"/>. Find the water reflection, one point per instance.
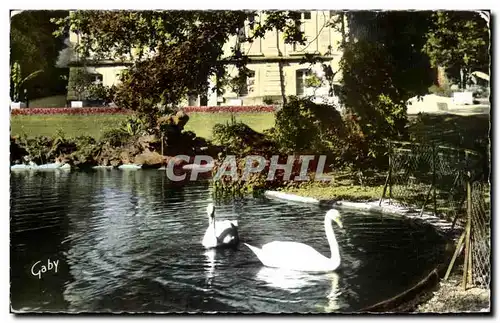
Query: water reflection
<point x="210" y="266"/>
<point x="287" y="279"/>
<point x="133" y="243"/>
<point x="333" y="298"/>
<point x="296" y="282"/>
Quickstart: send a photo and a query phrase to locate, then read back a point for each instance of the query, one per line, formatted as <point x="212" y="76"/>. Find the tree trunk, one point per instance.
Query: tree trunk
<point x="280" y="68"/>
<point x="342" y="27"/>
<point x="463" y="78"/>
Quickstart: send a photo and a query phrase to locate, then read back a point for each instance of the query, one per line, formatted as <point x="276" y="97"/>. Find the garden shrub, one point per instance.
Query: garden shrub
<point x="132" y="127"/>
<point x="39" y="149"/>
<point x="87" y="151"/>
<point x="102" y="94"/>
<point x="237" y="138"/>
<point x="17" y="152"/>
<point x="255" y="183"/>
<point x="304" y="127"/>
<point x="444" y="90"/>
<point x="375" y="91"/>
<point x="116" y="137"/>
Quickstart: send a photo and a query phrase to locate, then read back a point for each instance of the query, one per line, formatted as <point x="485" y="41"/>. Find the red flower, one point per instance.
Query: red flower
<point x="84" y="111"/>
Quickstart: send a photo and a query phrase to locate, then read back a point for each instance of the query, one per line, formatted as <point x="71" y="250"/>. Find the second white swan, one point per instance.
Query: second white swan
<point x="219" y="233"/>
<point x="301" y="257"/>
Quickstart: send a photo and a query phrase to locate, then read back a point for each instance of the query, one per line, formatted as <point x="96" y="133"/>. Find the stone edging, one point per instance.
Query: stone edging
<point x="385" y="207"/>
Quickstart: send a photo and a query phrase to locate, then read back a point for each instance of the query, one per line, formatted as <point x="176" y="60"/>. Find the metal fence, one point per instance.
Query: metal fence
<point x="451" y="184"/>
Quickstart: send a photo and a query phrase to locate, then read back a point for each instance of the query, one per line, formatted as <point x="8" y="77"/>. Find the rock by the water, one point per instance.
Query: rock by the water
<point x="150" y="159"/>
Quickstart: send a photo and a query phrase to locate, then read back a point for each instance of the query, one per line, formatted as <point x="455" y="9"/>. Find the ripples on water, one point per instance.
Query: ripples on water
<point x="131" y="241"/>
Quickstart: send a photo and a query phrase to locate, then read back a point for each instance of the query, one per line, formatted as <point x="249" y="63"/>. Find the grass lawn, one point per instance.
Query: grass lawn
<point x="339" y="192"/>
<point x="95" y="125"/>
<point x="203" y="123"/>
<point x="471" y="132"/>
<point x="71" y="125"/>
<point x="345" y="186"/>
<point x="458" y="131"/>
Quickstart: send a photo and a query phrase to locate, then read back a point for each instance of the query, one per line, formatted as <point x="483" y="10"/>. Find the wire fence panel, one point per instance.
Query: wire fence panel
<point x="433" y="178"/>
<point x="480" y="234"/>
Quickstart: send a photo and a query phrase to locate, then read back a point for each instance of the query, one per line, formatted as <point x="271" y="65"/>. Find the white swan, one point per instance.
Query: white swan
<point x="299" y="256"/>
<point x="219" y="233"/>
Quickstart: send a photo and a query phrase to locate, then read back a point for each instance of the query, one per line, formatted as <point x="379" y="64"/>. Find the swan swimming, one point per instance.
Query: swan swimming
<point x="301" y="257"/>
<point x="219" y="233"/>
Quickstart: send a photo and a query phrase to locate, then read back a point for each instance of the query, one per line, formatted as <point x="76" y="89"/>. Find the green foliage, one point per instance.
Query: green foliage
<point x="122" y="134"/>
<point x="17" y="152"/>
<point x="174" y="53"/>
<point x="237" y="138"/>
<point x="34" y="47"/>
<point x="134" y="126"/>
<point x="382" y="67"/>
<point x="18" y="81"/>
<point x="101" y="93"/>
<point x="185" y="48"/>
<point x="82" y="86"/>
<point x="87" y="151"/>
<point x="268" y="100"/>
<point x="227" y="185"/>
<point x="313" y="81"/>
<point x="42" y="149"/>
<point x="369" y="92"/>
<point x="116" y="137"/>
<point x="459" y="41"/>
<point x="79" y="82"/>
<point x="304" y="127"/>
<point x="254" y="184"/>
<point x="441" y="90"/>
<point x="61" y="145"/>
<point x="81" y="150"/>
<point x="37" y="148"/>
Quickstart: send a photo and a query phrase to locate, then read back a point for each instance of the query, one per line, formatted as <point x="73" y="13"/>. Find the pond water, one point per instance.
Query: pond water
<point x="131" y="241"/>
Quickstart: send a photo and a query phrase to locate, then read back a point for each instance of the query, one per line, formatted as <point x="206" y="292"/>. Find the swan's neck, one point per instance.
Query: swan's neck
<point x="332" y="241"/>
<point x="211" y="222"/>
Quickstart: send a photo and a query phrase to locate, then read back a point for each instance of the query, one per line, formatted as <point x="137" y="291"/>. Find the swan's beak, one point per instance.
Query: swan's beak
<point x="339" y="222"/>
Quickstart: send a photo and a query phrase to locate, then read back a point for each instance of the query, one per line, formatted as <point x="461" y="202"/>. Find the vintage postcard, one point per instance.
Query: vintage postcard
<point x="250" y="161"/>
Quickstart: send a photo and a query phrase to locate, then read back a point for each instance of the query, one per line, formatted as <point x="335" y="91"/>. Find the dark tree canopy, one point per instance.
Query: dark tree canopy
<point x="460" y="42"/>
<point x="382" y="67"/>
<point x="33" y="46"/>
<point x="401" y="35"/>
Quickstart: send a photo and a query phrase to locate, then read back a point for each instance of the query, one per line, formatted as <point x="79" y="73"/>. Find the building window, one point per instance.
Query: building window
<point x="192" y="100"/>
<point x="241" y="34"/>
<point x="300" y="80"/>
<point x="306" y="15"/>
<point x="251" y="20"/>
<point x="249" y="85"/>
<point x="97" y="78"/>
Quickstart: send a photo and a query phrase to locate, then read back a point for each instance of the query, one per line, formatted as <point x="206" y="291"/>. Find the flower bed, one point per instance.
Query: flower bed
<point x="77" y="111"/>
<point x="222" y="109"/>
<point x="104" y="110"/>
